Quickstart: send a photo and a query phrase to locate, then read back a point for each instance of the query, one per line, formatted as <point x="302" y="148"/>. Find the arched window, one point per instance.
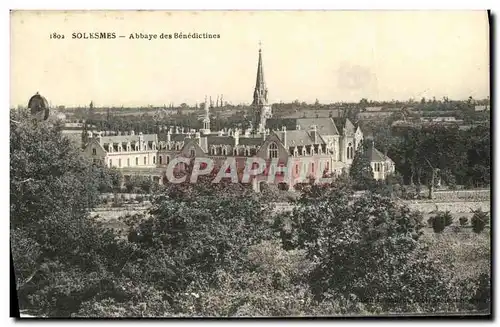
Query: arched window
<point x="312" y="167"/>
<point x="128" y="162"/>
<point x="192" y="152"/>
<point x="350" y="152"/>
<point x="224" y="151"/>
<point x="160" y="159"/>
<point x="137" y="161"/>
<point x="145" y="160"/>
<point x="167" y="160"/>
<point x="273" y="150"/>
<point x="212" y="150"/>
<point x="154" y="159"/>
<point x="247" y="152"/>
<point x="94" y="151"/>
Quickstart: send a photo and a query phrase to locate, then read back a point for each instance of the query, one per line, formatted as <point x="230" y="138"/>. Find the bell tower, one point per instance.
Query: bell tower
<point x="261" y="108"/>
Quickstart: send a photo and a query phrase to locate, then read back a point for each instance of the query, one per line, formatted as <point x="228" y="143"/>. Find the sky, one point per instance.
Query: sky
<point x="326" y="55"/>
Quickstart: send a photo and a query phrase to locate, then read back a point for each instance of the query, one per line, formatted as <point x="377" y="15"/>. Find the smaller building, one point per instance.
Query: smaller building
<point x="381" y="164"/>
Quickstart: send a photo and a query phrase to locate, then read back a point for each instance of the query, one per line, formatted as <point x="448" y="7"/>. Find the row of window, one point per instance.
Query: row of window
<point x="146" y="161"/>
<point x="110" y="148"/>
<point x="273" y="151"/>
<point x="223" y="151"/>
<point x="379" y="165"/>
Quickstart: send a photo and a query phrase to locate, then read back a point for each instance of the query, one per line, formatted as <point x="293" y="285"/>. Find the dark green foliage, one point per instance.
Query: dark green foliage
<point x="368" y="251"/>
<point x="58" y="249"/>
<point x="479" y="221"/>
<point x="463" y="221"/>
<point x="438" y="223"/>
<point x="361" y="171"/>
<point x="463" y="156"/>
<point x="214" y="249"/>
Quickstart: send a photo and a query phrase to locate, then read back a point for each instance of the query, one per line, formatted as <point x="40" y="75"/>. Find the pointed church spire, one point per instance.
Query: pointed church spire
<point x="260" y="93"/>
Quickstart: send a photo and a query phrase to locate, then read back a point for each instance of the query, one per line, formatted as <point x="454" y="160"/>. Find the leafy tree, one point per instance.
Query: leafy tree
<point x="58" y="250"/>
<point x="361" y="171"/>
<point x="367" y="251"/>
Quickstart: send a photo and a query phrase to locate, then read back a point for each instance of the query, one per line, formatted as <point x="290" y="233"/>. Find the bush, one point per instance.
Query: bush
<point x="479" y="221"/>
<point x="438" y="223"/>
<point x="463" y="221"/>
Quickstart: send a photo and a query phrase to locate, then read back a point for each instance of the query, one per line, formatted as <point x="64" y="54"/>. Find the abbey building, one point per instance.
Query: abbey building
<point x="328" y="144"/>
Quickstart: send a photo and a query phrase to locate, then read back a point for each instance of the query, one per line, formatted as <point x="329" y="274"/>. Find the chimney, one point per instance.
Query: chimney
<point x="314" y="133"/>
<point x="236" y="136"/>
<point x="283" y="129"/>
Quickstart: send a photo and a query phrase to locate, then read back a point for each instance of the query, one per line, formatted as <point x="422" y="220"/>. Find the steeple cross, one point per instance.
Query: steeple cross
<point x="260" y="45"/>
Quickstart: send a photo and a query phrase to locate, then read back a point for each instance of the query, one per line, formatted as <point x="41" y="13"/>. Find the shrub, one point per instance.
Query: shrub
<point x="438" y="223"/>
<point x="479" y="221"/>
<point x="448" y="218"/>
<point x="463" y="221"/>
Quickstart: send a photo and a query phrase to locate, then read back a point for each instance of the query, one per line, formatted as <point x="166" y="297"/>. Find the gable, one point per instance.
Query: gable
<point x="94" y="144"/>
<point x="192" y="144"/>
<point x="263" y="150"/>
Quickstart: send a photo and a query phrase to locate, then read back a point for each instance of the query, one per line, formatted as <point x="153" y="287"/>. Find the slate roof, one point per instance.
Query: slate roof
<point x="127" y="138"/>
<point x="220" y="140"/>
<point x="376" y="155"/>
<point x="344" y="125"/>
<point x="298" y="137"/>
<point x="325" y="125"/>
<point x="173" y="137"/>
<point x="250" y="141"/>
